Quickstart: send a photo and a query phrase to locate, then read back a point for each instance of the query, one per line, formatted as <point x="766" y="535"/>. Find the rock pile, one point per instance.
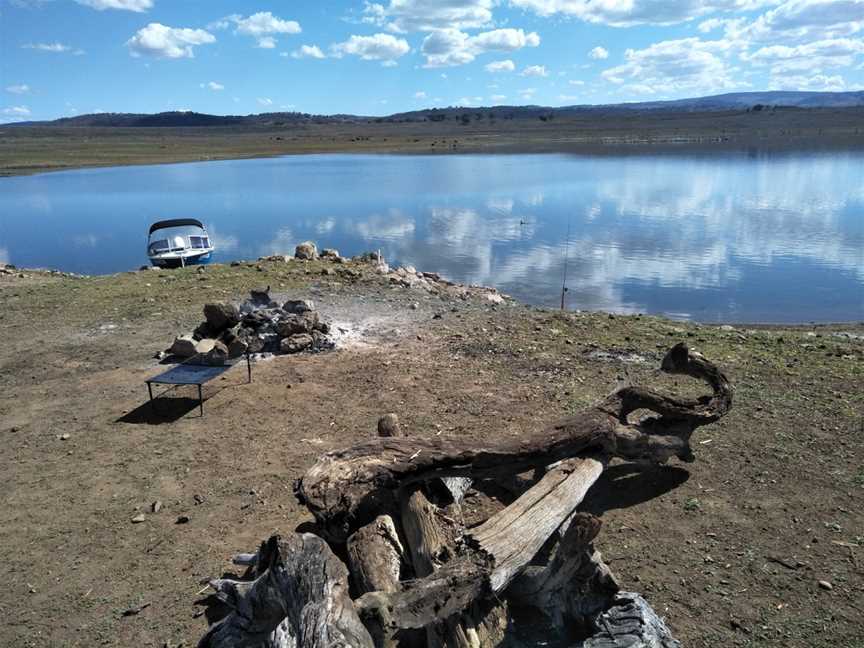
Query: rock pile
<point x="259" y="325"/>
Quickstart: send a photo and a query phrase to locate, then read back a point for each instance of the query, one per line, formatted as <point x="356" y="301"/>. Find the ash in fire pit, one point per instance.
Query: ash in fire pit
<point x="259" y="325"/>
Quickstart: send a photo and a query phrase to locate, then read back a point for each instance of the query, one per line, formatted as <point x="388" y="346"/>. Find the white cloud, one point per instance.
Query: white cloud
<point x="262" y="26"/>
<point x="420" y="95"/>
<point x="19" y="89"/>
<point x="57" y="48"/>
<point x="17" y="111"/>
<point x="264" y="22"/>
<point x="670" y="67"/>
<point x="403" y="16"/>
<point x="819" y="82"/>
<point x="626" y="13"/>
<point x="449" y="47"/>
<point x="576" y="82"/>
<point x="535" y="71"/>
<point x="801" y="20"/>
<point x="795" y="22"/>
<point x="715" y="23"/>
<point x="379" y="47"/>
<point x="308" y="51"/>
<point x="160" y="41"/>
<point x="125" y="5"/>
<point x="498" y="97"/>
<point x="500" y="66"/>
<point x="264" y="101"/>
<point x="814" y="56"/>
<point x="528" y="93"/>
<point x="213" y="85"/>
<point x="598" y="53"/>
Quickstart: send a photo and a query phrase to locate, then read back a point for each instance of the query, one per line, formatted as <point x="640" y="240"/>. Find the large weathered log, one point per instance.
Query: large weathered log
<point x="375" y="556"/>
<point x="574" y="584"/>
<point x="514" y="536"/>
<point x="424" y="601"/>
<point x="464" y="578"/>
<point x="427" y="536"/>
<point x="348" y="488"/>
<point x="298" y="600"/>
<point x="434" y="537"/>
<point x="492" y="555"/>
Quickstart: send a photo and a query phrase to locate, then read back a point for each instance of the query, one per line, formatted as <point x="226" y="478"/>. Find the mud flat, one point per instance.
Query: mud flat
<point x="730" y="549"/>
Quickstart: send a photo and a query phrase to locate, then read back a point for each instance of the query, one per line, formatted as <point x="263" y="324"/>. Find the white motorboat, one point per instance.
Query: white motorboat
<point x="178" y="242"/>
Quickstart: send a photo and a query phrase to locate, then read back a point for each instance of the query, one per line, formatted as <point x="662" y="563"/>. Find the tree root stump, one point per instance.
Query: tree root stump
<point x="416" y="576"/>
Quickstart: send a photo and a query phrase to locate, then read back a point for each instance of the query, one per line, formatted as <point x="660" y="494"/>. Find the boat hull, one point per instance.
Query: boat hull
<point x="177" y="262"/>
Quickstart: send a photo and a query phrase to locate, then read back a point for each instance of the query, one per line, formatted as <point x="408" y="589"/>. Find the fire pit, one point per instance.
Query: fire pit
<point x="259" y="325"/>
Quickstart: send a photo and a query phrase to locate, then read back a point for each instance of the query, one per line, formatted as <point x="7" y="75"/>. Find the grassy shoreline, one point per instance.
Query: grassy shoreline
<point x="30" y="150"/>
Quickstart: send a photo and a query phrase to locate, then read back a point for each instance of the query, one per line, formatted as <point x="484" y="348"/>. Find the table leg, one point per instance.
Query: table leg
<point x="200" y="400"/>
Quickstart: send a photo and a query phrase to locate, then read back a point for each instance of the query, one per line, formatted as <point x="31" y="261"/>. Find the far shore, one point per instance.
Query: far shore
<point x="29" y="150"/>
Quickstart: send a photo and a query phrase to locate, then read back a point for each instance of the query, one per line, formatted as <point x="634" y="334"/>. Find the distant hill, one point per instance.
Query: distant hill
<point x="739" y="100"/>
<point x="724" y="102"/>
<point x="188" y="119"/>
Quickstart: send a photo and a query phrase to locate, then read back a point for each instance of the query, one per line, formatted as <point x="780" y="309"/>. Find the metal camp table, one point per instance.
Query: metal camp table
<point x="193" y="374"/>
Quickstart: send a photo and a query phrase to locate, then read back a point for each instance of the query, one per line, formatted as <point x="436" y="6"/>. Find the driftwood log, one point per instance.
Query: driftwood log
<point x="419" y="577"/>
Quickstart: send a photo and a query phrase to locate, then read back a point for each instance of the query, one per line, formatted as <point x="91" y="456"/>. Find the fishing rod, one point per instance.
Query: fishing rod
<point x="566" y="259"/>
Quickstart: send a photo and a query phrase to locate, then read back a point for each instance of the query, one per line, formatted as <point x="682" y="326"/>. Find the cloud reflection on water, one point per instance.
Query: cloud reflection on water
<point x="725" y="237"/>
<point x="656" y="228"/>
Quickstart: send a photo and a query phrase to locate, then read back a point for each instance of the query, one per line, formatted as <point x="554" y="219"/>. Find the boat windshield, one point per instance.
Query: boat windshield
<point x="178" y="239"/>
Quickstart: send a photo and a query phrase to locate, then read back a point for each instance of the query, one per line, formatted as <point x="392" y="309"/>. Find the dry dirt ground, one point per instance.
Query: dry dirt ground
<point x="730" y="549"/>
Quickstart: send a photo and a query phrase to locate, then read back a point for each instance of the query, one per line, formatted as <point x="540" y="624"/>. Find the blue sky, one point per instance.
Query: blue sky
<point x="67" y="57"/>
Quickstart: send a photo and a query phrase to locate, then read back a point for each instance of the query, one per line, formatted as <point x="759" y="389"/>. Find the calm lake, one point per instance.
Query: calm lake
<point x="719" y="238"/>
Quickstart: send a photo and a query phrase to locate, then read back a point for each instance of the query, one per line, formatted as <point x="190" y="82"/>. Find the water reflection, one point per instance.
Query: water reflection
<point x="723" y="238"/>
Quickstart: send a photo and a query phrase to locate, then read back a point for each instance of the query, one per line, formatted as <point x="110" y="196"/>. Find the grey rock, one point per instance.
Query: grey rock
<point x="184" y="346"/>
<point x="205" y="346"/>
<point x="298" y="306"/>
<point x="322" y="327"/>
<point x="260" y="296"/>
<point x="204" y="330"/>
<point x="330" y="253"/>
<point x="221" y="316"/>
<point x="291" y="325"/>
<point x="307" y="251"/>
<point x="254" y="344"/>
<point x="237" y="348"/>
<point x="294" y="324"/>
<point x="229" y="335"/>
<point x="215" y="354"/>
<point x="296" y="343"/>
